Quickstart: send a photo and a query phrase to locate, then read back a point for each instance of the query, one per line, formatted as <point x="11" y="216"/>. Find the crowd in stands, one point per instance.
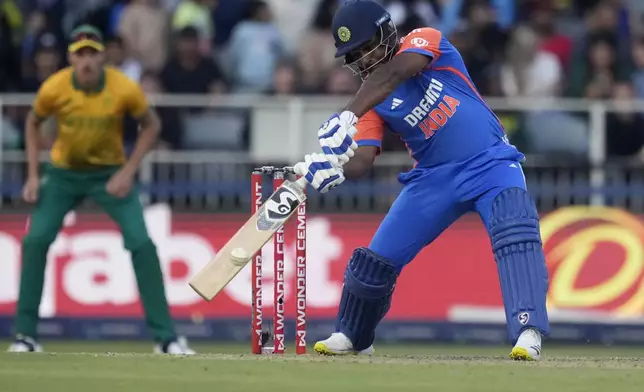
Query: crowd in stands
<point x="513" y="48"/>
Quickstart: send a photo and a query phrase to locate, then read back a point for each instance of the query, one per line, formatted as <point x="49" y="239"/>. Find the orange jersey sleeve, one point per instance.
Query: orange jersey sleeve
<point x="371" y="129"/>
<point x="423" y="41"/>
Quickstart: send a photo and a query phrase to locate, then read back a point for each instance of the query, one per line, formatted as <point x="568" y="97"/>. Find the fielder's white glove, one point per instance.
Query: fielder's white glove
<point x="319" y="172"/>
<point x="336" y="137"/>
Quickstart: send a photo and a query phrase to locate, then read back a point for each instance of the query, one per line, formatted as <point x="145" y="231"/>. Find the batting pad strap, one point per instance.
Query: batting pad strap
<point x="520" y="262"/>
<point x="369" y="276"/>
<point x="515" y="231"/>
<point x="514" y="219"/>
<point x="369" y="282"/>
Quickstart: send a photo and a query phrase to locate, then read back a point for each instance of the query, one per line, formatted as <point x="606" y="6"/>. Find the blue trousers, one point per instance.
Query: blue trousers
<point x="433" y="198"/>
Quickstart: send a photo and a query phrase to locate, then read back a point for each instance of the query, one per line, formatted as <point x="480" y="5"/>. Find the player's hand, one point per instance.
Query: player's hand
<point x="30" y="190"/>
<point x="336" y="137"/>
<point x="319" y="172"/>
<point x="120" y="184"/>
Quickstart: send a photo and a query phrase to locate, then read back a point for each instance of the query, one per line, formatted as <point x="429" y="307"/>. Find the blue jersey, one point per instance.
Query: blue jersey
<point x="438" y="113"/>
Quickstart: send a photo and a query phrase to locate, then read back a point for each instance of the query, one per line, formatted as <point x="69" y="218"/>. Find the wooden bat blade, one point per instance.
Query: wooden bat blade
<point x="224" y="267"/>
<point x="248" y="240"/>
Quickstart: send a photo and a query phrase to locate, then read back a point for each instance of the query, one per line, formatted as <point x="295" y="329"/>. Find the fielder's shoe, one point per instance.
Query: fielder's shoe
<point x="178" y="346"/>
<point x="339" y="344"/>
<point x="528" y="347"/>
<point x="24" y="344"/>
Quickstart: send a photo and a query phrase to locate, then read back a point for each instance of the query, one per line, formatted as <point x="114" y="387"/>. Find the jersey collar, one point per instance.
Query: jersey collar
<point x="99" y="88"/>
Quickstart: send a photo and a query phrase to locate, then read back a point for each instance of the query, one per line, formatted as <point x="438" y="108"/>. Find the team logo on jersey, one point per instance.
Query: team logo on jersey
<point x="395" y="103"/>
<point x="344" y="34"/>
<point x="419" y="42"/>
<point x="434" y="109"/>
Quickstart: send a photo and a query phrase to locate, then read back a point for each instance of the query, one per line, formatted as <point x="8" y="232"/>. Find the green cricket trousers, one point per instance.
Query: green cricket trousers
<point x="61" y="190"/>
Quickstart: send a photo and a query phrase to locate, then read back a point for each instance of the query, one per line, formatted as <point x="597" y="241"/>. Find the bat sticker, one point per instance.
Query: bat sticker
<point x="277" y="208"/>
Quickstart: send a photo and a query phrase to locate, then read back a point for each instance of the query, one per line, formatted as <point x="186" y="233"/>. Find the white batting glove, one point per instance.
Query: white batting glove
<point x="319" y="172"/>
<point x="336" y="137"/>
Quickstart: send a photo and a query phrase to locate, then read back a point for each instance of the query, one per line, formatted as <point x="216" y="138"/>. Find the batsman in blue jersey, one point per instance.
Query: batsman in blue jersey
<point x="418" y="88"/>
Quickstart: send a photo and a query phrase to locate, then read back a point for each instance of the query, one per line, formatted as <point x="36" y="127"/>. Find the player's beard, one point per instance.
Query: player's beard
<point x="388" y="41"/>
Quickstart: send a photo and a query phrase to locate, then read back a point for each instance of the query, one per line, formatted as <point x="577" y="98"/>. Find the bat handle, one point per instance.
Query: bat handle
<point x="301" y="183"/>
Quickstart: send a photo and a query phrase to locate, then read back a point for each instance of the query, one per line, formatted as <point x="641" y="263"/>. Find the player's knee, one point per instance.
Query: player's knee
<point x="139" y="244"/>
<point x="39" y="236"/>
<point x="394" y="255"/>
<point x="515" y="220"/>
<point x="369" y="275"/>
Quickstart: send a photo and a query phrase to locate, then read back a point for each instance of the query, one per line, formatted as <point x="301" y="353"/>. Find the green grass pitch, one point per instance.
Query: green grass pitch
<point x="129" y="367"/>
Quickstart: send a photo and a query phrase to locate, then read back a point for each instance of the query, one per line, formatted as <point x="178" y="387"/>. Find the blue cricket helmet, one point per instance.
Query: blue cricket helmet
<point x="355" y="23"/>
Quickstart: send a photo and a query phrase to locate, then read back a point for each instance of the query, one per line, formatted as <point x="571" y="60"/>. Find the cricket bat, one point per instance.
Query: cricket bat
<point x="249" y="239"/>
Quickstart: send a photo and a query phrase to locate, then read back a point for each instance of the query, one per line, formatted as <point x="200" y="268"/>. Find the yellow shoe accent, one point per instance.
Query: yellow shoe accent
<point x="322" y="349"/>
<point x="520" y="354"/>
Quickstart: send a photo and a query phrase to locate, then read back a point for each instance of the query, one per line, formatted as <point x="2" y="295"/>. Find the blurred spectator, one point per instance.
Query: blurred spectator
<point x="59" y="18"/>
<point x="621" y="9"/>
<point x="10" y="9"/>
<point x="483" y="45"/>
<point x="341" y="81"/>
<point x="255" y="47"/>
<point x="603" y="20"/>
<point x="47" y="60"/>
<point x="624" y="128"/>
<point x="543" y="21"/>
<point x="638" y="62"/>
<point x="36" y="24"/>
<point x="451" y="11"/>
<point x="197" y="14"/>
<point x="118" y="57"/>
<point x="226" y="16"/>
<point x="411" y="14"/>
<point x="9" y="62"/>
<point x="603" y="17"/>
<point x="529" y="71"/>
<point x="584" y="6"/>
<point x="582" y="47"/>
<point x="190" y="72"/>
<point x="293" y="18"/>
<point x="144" y="29"/>
<point x="100" y="15"/>
<point x="636" y="17"/>
<point x="593" y="76"/>
<point x="170" y="5"/>
<point x="114" y="17"/>
<point x="170" y="137"/>
<point x="316" y="53"/>
<point x="93" y="12"/>
<point x="285" y="78"/>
